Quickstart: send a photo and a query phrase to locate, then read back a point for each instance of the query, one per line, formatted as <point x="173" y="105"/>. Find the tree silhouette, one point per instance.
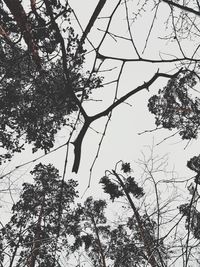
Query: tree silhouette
<point x="43" y="82"/>
<point x="30" y="238"/>
<point x="174" y="107"/>
<point x="50" y="67"/>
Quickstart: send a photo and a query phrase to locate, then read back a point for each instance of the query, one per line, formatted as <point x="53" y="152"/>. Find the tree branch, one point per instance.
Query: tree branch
<point x="78" y="142"/>
<point x="146" y="85"/>
<point x="185" y="8"/>
<point x="146" y="238"/>
<point x="92" y="20"/>
<point x="99" y="242"/>
<point x="64" y="58"/>
<point x="21" y="18"/>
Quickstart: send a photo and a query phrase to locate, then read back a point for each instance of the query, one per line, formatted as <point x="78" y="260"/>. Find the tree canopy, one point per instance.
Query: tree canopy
<point x="65" y="66"/>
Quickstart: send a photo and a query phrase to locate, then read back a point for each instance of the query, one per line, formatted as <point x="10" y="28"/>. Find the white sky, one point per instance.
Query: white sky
<point x="122" y="141"/>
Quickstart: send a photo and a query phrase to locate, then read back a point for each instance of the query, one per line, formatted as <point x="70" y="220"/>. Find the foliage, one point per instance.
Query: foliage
<point x="118" y="244"/>
<point x="43" y="83"/>
<point x="128" y="252"/>
<point x="113" y="187"/>
<point x="174" y="107"/>
<point x="33" y="227"/>
<point x="192" y="216"/>
<point x="126" y="168"/>
<point x="190" y="210"/>
<point x="35" y="103"/>
<point x="92" y="230"/>
<point x="194" y="164"/>
<point x="132" y="187"/>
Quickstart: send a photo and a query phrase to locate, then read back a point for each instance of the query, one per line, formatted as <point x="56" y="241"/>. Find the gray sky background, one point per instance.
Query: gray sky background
<point x="122" y="141"/>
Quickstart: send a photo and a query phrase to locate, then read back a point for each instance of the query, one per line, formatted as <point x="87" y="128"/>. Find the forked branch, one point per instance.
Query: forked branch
<point x="106" y="112"/>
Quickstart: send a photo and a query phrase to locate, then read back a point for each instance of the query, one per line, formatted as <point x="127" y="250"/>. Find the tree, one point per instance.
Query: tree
<point x="31" y="238"/>
<point x="126" y="187"/>
<point x="35" y="102"/>
<point x="191" y="212"/>
<point x="44" y="81"/>
<point x="51" y="71"/>
<point x="146" y="233"/>
<point x="133" y="239"/>
<point x="105" y="244"/>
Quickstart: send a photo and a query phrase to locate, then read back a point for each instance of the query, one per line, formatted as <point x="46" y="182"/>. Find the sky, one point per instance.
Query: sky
<point x="123" y="140"/>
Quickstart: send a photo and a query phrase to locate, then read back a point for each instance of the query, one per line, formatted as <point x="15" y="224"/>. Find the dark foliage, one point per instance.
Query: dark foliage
<point x="192" y="219"/>
<point x="35" y="103"/>
<point x="132" y="187"/>
<point x="111" y="188"/>
<point x="126" y="168"/>
<point x="117" y="244"/>
<point x="190" y="210"/>
<point x="194" y="164"/>
<point x="127" y="252"/>
<point x="33" y="226"/>
<point x="174" y="107"/>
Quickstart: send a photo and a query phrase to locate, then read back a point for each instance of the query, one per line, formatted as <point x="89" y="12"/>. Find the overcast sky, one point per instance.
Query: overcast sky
<point x="122" y="141"/>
